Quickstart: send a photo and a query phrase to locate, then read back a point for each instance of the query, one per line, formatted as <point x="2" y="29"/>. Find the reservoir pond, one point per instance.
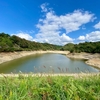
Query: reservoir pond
<point x="46" y="63"/>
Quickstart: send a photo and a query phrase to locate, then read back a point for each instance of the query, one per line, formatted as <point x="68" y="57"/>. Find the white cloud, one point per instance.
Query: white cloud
<point x="50" y="27"/>
<point x="43" y="7"/>
<point x="73" y="21"/>
<point x="97" y="26"/>
<point x="54" y="38"/>
<point x="24" y="35"/>
<point x="65" y="38"/>
<point x="81" y="38"/>
<point x="91" y="37"/>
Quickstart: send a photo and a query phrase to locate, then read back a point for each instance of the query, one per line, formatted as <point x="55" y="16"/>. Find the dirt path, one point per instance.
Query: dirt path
<point x="80" y="75"/>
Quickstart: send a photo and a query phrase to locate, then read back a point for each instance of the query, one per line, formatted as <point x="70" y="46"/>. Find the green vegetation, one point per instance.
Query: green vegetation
<point x="50" y="88"/>
<point x="89" y="47"/>
<point x="13" y="43"/>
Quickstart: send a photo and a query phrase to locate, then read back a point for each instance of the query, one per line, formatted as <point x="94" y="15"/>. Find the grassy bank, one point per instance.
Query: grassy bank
<point x="50" y="87"/>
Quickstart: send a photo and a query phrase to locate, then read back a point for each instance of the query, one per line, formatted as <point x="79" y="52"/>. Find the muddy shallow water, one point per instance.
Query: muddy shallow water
<point x="46" y="63"/>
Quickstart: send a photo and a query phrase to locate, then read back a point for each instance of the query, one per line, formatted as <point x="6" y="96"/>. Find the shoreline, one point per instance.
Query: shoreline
<point x="91" y="59"/>
<point x="4" y="57"/>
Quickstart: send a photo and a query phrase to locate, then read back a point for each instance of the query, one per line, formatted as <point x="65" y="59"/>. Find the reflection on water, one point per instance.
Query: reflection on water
<point x="46" y="63"/>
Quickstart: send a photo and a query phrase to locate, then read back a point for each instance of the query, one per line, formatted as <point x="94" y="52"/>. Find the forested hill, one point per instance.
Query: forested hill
<point x="89" y="47"/>
<point x="13" y="43"/>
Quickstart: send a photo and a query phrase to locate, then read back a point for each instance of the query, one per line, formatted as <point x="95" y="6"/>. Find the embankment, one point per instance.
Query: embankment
<point x="4" y="57"/>
<point x="91" y="59"/>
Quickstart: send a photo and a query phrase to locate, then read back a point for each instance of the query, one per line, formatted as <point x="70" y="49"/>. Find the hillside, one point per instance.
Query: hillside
<point x="89" y="47"/>
<point x="13" y="43"/>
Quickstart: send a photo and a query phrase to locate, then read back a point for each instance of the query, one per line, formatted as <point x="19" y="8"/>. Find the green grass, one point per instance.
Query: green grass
<point x="50" y="88"/>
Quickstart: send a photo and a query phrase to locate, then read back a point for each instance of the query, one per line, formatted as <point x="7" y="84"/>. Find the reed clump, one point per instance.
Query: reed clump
<point x="40" y="87"/>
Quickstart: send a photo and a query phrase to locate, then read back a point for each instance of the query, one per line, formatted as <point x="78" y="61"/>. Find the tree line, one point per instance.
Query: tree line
<point x="14" y="43"/>
<point x="89" y="47"/>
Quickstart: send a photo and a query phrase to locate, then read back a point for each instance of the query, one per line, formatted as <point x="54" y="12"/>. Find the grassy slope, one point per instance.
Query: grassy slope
<point x="50" y="88"/>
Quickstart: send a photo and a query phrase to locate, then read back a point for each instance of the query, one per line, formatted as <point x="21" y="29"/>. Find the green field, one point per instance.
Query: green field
<point x="50" y="88"/>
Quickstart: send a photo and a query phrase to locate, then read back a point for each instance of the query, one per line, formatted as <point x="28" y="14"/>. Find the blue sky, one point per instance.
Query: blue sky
<point x="52" y="21"/>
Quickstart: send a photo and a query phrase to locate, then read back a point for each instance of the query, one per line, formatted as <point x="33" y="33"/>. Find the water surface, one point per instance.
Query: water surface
<point x="46" y="63"/>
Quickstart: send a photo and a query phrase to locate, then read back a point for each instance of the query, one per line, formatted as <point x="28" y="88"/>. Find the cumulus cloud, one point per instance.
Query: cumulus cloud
<point x="50" y="27"/>
<point x="54" y="29"/>
<point x="24" y="35"/>
<point x="91" y="37"/>
<point x="81" y="38"/>
<point x="97" y="26"/>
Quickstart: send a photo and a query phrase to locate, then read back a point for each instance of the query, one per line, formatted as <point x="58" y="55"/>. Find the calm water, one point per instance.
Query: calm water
<point x="48" y="63"/>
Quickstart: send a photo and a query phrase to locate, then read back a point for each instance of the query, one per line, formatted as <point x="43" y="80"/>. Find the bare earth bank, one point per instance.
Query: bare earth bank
<point x="4" y="57"/>
<point x="91" y="59"/>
